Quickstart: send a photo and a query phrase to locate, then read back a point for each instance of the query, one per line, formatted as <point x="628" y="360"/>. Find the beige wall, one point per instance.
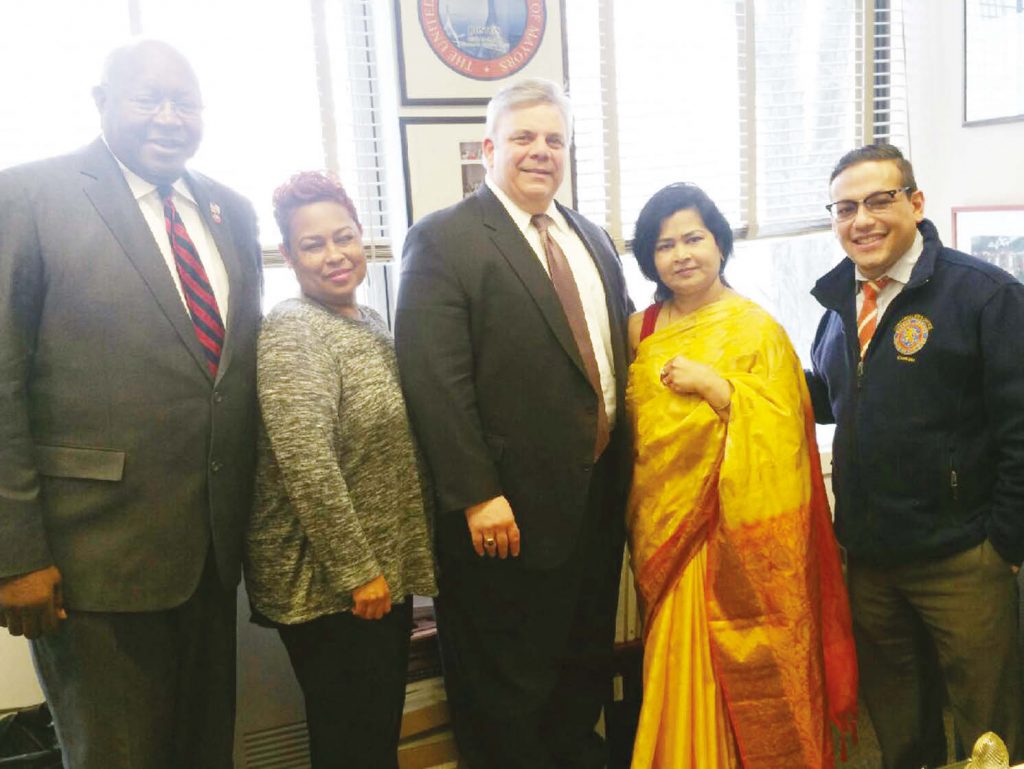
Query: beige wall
<point x="18" y="686"/>
<point x="954" y="165"/>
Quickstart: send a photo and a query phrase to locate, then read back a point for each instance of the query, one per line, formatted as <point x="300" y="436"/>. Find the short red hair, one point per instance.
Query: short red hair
<point x="308" y="187"/>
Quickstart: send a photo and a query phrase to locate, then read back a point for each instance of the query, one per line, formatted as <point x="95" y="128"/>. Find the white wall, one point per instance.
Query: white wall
<point x="18" y="687"/>
<point x="954" y="165"/>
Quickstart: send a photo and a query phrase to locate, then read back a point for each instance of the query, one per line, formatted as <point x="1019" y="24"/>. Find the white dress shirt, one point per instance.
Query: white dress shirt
<point x="898" y="274"/>
<point x="588" y="282"/>
<point x="152" y="208"/>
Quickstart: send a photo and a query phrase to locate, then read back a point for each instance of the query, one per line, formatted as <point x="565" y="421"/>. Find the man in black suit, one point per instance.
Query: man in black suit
<point x="511" y="336"/>
<point x="127" y="425"/>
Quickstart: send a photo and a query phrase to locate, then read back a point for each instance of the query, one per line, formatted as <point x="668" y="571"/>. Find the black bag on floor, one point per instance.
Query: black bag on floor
<point x="28" y="741"/>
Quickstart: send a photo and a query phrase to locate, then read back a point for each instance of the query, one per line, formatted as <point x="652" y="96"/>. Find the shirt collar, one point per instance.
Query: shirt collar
<point x="521" y="217"/>
<point x="900" y="271"/>
<point x="140" y="187"/>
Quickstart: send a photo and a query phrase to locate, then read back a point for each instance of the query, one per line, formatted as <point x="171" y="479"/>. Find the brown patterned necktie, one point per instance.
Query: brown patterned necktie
<point x="569" y="296"/>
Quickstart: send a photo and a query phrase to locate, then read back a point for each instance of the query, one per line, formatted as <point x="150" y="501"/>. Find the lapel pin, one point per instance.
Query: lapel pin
<point x="215" y="213"/>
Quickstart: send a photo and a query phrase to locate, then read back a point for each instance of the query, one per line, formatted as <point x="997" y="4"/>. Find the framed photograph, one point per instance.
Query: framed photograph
<point x="442" y="159"/>
<point x="992" y="233"/>
<point x="453" y="52"/>
<point x="993" y="61"/>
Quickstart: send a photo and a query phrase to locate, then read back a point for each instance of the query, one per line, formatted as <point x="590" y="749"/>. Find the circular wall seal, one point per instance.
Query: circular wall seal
<point x="483" y="39"/>
<point x="911" y="334"/>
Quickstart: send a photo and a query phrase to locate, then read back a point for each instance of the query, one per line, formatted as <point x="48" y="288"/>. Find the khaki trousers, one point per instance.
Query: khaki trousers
<point x="921" y="628"/>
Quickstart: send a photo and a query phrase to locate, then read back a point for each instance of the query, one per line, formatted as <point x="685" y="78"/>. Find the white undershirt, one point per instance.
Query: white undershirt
<point x="152" y="208"/>
<point x="588" y="282"/>
<point x="899" y="275"/>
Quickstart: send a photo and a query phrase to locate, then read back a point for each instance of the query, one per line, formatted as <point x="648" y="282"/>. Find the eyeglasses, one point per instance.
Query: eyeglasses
<point x="152" y="105"/>
<point x="876" y="203"/>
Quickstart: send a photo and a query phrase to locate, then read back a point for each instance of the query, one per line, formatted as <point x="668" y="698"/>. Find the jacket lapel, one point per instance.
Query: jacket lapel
<point x="105" y="186"/>
<point x="521" y="258"/>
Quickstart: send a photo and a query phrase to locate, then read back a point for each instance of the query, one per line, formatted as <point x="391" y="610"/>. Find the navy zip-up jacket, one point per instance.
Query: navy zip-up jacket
<point x="928" y="456"/>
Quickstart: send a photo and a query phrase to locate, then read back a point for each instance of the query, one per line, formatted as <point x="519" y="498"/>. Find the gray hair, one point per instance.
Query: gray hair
<point x="125" y="57"/>
<point x="527" y="93"/>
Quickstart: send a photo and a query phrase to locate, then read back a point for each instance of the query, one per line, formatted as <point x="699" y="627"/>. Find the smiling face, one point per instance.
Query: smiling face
<point x="526" y="155"/>
<point x="151" y="111"/>
<point x="688" y="259"/>
<point x="876" y="241"/>
<point x="325" y="249"/>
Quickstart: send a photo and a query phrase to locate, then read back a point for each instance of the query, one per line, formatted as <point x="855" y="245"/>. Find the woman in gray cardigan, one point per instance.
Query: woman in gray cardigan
<point x="339" y="540"/>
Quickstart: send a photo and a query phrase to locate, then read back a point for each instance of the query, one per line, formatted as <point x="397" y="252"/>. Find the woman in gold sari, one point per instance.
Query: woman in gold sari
<point x="748" y="652"/>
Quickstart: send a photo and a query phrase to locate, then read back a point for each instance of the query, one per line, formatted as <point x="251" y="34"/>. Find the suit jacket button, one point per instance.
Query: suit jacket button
<point x="215" y="466"/>
<point x="217" y="397"/>
<point x="587" y="467"/>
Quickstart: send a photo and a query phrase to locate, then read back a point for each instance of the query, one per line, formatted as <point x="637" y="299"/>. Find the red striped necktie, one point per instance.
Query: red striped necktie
<point x="867" y="320"/>
<point x="202" y="304"/>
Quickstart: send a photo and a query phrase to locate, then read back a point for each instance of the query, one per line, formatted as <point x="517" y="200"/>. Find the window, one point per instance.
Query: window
<point x="288" y="86"/>
<point x="51" y="58"/>
<point x="753" y="100"/>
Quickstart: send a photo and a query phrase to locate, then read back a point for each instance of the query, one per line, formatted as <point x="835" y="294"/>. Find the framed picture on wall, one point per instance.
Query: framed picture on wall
<point x="993" y="61"/>
<point x="453" y="52"/>
<point x="992" y="233"/>
<point x="442" y="159"/>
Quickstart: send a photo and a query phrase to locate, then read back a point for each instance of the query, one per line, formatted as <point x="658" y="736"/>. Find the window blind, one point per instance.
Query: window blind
<point x="354" y="127"/>
<point x="753" y="100"/>
<point x="298" y="88"/>
<point x="261" y="119"/>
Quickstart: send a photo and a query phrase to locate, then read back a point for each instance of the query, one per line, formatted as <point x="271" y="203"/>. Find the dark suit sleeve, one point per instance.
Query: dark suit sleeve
<point x="252" y="238"/>
<point x="816" y="383"/>
<point x="23" y="545"/>
<point x="434" y="343"/>
<point x="1002" y="350"/>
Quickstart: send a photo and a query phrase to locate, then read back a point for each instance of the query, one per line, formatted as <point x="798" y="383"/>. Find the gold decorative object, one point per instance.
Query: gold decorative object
<point x="989" y="753"/>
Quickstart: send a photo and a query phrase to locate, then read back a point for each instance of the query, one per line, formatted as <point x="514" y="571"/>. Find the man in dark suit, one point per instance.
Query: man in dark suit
<point x="511" y="337"/>
<point x="129" y="307"/>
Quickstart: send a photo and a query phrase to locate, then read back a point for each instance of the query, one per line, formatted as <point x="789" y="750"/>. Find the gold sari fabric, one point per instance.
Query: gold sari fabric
<point x="733" y="550"/>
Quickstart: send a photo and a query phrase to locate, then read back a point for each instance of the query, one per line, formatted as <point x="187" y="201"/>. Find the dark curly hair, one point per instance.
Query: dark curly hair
<point x="665" y="202"/>
<point x="308" y="187"/>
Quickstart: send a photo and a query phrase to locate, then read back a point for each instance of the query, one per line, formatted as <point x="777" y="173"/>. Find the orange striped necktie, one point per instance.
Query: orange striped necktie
<point x="867" y="320"/>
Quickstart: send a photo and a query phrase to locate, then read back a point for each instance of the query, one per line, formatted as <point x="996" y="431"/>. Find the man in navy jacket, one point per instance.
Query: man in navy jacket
<point x="919" y="361"/>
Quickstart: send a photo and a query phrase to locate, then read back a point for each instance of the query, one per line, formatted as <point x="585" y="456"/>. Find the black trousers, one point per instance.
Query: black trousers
<point x="527" y="653"/>
<point x="352" y="672"/>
